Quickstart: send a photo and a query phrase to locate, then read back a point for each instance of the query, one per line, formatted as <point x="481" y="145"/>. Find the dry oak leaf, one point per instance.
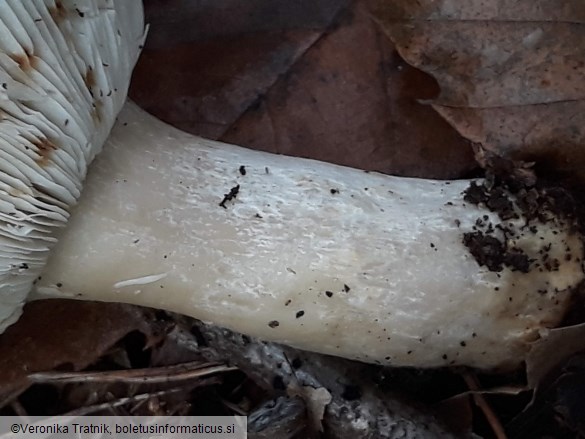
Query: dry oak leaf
<point x="511" y="73"/>
<point x="63" y="334"/>
<point x="309" y="78"/>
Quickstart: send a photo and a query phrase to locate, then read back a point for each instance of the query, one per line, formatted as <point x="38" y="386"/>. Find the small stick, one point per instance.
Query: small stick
<point x="179" y="372"/>
<point x="484" y="406"/>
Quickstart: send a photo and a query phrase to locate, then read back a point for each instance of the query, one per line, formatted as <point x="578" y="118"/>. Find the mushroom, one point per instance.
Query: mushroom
<point x="382" y="269"/>
<point x="65" y="67"/>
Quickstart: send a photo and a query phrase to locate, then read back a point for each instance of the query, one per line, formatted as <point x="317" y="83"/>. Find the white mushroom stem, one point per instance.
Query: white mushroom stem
<point x="313" y="255"/>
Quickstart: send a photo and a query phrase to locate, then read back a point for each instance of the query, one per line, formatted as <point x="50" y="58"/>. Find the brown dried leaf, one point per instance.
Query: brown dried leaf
<point x="499" y="10"/>
<point x="63" y="334"/>
<point x="562" y="343"/>
<point x="319" y="81"/>
<point x="497" y="63"/>
<point x="204" y="87"/>
<point x="511" y="73"/>
<point x="552" y="135"/>
<point x="179" y="21"/>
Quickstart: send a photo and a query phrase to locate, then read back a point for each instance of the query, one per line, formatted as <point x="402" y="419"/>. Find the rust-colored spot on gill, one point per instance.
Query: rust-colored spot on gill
<point x="44" y="149"/>
<point x="58" y="12"/>
<point x="89" y="79"/>
<point x="96" y="112"/>
<point x="26" y="61"/>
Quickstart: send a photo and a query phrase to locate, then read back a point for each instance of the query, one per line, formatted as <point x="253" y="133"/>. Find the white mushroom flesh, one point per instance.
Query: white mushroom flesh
<point x="65" y="67"/>
<point x="313" y="255"/>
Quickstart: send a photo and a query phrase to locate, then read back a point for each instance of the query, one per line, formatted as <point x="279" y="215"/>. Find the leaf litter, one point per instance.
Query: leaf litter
<point x="511" y="73"/>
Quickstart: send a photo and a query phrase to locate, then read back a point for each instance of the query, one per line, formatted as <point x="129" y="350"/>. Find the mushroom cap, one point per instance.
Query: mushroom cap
<point x="65" y="67"/>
